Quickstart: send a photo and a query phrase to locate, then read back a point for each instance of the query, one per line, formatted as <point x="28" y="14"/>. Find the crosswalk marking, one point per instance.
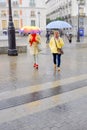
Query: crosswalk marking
<point x="20" y="111"/>
<point x="36" y="88"/>
<point x="13" y="113"/>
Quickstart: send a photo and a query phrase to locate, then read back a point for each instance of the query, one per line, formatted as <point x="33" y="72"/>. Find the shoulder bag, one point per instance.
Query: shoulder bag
<point x="60" y="50"/>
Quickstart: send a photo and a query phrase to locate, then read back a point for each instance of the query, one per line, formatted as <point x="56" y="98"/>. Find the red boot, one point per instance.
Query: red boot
<point x="36" y="66"/>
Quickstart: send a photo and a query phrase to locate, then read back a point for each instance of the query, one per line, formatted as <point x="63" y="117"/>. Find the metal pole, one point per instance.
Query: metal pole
<point x="78" y="36"/>
<point x="39" y="18"/>
<point x="12" y="51"/>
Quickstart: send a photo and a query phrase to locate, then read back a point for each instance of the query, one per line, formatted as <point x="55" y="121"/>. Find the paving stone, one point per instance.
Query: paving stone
<point x="46" y="128"/>
<point x="41" y="120"/>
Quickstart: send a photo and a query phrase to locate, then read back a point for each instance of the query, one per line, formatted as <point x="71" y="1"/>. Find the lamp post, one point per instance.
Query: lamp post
<point x="78" y="36"/>
<point x="12" y="51"/>
<point x="39" y="18"/>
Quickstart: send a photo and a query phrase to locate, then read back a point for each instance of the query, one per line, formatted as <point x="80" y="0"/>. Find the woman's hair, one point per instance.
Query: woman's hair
<point x="56" y="34"/>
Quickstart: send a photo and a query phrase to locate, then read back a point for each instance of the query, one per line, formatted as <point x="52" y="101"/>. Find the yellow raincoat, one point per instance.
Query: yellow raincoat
<point x="53" y="42"/>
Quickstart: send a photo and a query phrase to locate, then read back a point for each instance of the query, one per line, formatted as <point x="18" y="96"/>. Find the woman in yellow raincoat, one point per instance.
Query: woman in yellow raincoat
<point x="56" y="43"/>
<point x="34" y="40"/>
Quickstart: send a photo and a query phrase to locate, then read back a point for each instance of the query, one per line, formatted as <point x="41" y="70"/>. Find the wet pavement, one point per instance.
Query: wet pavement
<point x="44" y="99"/>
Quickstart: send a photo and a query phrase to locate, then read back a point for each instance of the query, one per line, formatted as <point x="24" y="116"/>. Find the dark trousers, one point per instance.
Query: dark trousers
<point x="47" y="40"/>
<point x="57" y="59"/>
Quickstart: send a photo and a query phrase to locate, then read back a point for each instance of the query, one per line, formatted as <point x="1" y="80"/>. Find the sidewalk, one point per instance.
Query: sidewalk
<point x="21" y="45"/>
<point x="3" y="37"/>
<point x="22" y="41"/>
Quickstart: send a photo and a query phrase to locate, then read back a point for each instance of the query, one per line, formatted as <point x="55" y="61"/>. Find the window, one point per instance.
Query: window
<point x="32" y="2"/>
<point x="32" y="13"/>
<point x="4" y="24"/>
<point x="3" y="13"/>
<point x="82" y="2"/>
<point x="81" y="22"/>
<point x="16" y="13"/>
<point x="16" y="24"/>
<point x="15" y="2"/>
<point x="32" y="22"/>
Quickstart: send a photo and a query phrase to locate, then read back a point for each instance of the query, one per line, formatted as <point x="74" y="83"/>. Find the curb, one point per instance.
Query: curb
<point x="21" y="49"/>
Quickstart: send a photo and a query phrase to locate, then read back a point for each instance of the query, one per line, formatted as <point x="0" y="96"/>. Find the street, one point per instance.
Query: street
<point x="43" y="99"/>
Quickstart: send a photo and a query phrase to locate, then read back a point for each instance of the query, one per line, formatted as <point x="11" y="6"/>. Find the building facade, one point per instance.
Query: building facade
<point x="71" y="11"/>
<point x="24" y="12"/>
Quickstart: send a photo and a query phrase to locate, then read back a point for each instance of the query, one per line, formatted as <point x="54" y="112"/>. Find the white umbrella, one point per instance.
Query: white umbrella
<point x="58" y="25"/>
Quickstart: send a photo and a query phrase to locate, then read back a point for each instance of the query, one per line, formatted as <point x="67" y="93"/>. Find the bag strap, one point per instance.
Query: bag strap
<point x="55" y="43"/>
<point x="58" y="49"/>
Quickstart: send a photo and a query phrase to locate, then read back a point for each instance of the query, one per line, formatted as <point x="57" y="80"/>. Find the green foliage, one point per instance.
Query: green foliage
<point x="49" y="20"/>
<point x="59" y="18"/>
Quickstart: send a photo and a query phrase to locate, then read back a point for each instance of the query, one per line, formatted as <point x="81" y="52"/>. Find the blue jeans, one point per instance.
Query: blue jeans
<point x="57" y="58"/>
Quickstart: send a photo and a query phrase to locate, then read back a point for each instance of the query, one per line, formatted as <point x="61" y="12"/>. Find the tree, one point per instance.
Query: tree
<point x="59" y="18"/>
<point x="48" y="20"/>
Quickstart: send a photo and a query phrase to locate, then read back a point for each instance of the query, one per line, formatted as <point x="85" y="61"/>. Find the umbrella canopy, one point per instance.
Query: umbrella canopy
<point x="30" y="29"/>
<point x="58" y="25"/>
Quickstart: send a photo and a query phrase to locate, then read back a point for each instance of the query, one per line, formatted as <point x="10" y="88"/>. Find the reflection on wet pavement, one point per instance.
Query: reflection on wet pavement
<point x="25" y="91"/>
